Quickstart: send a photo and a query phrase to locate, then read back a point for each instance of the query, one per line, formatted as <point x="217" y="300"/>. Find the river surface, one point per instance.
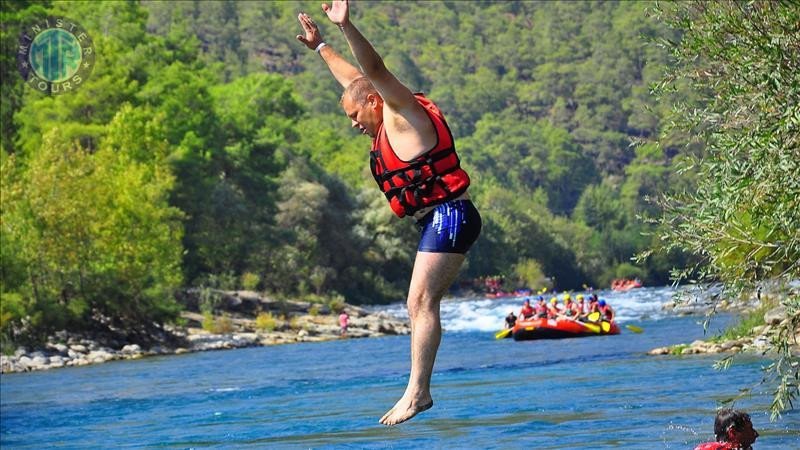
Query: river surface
<point x="598" y="392"/>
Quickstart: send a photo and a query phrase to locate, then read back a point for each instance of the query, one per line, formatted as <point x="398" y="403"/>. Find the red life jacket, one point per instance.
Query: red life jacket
<point x="434" y="177"/>
<point x="526" y="312"/>
<point x="715" y="446"/>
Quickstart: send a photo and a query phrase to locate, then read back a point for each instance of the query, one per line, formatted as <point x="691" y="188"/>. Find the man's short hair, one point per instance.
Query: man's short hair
<point x="359" y="89"/>
<point x="725" y="419"/>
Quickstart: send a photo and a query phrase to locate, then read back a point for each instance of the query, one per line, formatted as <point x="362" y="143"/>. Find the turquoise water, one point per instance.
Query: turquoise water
<point x="599" y="392"/>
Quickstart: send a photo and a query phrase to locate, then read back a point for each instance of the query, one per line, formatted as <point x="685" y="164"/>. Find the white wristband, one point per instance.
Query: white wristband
<point x="319" y="47"/>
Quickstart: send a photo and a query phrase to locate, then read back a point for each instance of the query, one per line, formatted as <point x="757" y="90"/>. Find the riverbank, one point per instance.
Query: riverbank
<point x="240" y="319"/>
<point x="751" y="335"/>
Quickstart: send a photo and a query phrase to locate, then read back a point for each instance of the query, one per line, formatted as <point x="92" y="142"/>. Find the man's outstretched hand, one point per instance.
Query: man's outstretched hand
<point x="338" y="12"/>
<point x="313" y="37"/>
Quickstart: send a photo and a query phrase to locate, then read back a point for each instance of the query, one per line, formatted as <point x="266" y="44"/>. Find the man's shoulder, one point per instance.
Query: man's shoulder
<point x="714" y="446"/>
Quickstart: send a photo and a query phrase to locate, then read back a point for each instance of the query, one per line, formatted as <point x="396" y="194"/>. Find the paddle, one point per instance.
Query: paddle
<point x="502" y="334"/>
<point x="605" y="326"/>
<point x="591" y="327"/>
<point x="594" y="328"/>
<point x="594" y="317"/>
<point x="634" y="328"/>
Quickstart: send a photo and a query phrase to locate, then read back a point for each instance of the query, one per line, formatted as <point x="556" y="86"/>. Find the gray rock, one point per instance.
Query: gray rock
<point x="59" y="348"/>
<point x="760" y="342"/>
<point x="131" y="349"/>
<point x="99" y="356"/>
<point x="659" y="351"/>
<point x="7" y="364"/>
<point x="79" y="348"/>
<point x="775" y="315"/>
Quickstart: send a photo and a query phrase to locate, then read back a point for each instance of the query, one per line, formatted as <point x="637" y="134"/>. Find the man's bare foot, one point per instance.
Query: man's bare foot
<point x="404" y="410"/>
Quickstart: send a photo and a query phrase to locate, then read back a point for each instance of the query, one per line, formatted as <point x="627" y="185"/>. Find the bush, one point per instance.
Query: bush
<point x="208" y="322"/>
<point x="250" y="281"/>
<point x="217" y="325"/>
<point x="530" y="273"/>
<point x="265" y="321"/>
<point x="336" y="303"/>
<point x="678" y="349"/>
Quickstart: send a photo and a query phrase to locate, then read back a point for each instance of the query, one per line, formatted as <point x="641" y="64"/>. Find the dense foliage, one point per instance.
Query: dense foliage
<point x="208" y="146"/>
<point x="743" y="217"/>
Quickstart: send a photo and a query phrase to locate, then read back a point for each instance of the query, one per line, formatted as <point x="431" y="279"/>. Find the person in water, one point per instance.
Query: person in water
<point x="415" y="165"/>
<point x="511" y="320"/>
<point x="733" y="430"/>
<point x="527" y="311"/>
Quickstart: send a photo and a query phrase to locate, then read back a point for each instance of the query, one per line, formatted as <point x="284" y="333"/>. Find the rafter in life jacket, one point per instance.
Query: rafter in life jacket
<point x="432" y="178"/>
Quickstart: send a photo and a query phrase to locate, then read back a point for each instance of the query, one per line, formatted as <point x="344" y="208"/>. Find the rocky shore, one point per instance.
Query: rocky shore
<point x="755" y="340"/>
<point x="241" y="319"/>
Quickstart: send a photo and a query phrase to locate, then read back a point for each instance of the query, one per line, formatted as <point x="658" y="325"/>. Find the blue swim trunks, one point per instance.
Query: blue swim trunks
<point x="451" y="227"/>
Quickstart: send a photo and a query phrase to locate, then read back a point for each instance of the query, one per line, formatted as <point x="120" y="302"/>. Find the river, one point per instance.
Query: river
<point x="599" y="392"/>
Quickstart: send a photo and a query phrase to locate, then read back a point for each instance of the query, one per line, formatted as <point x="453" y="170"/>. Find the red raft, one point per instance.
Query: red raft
<point x="560" y="328"/>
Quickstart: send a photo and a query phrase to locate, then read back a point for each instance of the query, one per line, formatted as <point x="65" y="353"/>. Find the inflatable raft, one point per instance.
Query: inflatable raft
<point x="560" y="328"/>
<point x="623" y="285"/>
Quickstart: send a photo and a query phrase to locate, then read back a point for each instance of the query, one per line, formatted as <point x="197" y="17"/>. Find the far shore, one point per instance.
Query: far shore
<point x="239" y="321"/>
<point x="235" y="324"/>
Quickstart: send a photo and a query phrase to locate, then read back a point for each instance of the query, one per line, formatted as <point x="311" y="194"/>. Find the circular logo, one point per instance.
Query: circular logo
<point x="55" y="55"/>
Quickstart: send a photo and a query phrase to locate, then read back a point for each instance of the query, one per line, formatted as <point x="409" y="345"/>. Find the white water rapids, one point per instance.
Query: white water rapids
<point x="487" y="314"/>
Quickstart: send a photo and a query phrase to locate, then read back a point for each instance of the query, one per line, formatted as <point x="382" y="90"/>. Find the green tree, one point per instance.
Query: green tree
<point x="93" y="241"/>
<point x="743" y="220"/>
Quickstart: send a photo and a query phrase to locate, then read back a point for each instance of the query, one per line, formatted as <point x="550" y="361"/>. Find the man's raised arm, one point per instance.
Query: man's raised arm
<point x="396" y="95"/>
<point x="343" y="71"/>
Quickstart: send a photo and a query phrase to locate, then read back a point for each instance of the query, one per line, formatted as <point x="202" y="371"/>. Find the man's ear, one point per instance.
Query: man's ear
<point x="731" y="433"/>
<point x="374" y="100"/>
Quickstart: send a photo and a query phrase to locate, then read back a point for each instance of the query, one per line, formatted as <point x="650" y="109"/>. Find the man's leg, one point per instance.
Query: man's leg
<point x="432" y="276"/>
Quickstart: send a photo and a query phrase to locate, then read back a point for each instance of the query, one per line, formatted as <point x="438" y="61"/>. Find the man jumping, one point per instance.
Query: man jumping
<point x="414" y="162"/>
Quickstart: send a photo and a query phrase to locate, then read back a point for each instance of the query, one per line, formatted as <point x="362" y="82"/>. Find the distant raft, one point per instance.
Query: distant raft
<point x="623" y="285"/>
<point x="560" y="329"/>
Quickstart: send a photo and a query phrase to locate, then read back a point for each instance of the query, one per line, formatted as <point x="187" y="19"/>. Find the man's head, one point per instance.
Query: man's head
<point x="363" y="105"/>
<point x="527" y="302"/>
<point x="735" y="427"/>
